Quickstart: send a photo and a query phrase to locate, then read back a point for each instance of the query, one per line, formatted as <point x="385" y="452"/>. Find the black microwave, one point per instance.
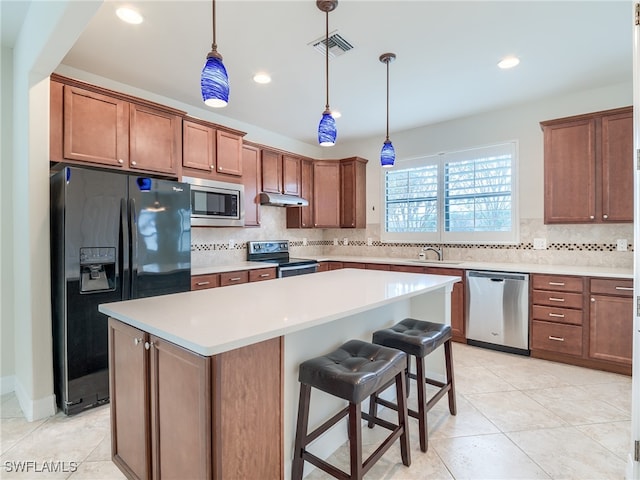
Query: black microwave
<point x="216" y="204"/>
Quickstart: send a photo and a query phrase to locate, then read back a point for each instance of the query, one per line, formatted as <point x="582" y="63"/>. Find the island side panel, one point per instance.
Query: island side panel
<point x="247" y="396"/>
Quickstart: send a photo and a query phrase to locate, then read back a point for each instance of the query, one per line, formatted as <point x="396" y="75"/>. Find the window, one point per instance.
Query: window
<point x="457" y="197"/>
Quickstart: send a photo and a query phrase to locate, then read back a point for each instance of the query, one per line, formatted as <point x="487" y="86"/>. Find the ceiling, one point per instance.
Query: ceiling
<point x="446" y="51"/>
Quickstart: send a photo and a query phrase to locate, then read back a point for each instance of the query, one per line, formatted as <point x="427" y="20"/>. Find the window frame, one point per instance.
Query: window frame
<point x="440" y="236"/>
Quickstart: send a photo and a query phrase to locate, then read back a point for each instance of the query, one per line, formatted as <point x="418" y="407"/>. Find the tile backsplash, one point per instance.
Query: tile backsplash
<point x="589" y="245"/>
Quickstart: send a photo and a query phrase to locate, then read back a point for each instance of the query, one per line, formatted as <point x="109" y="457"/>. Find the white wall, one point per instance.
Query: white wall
<point x="517" y="123"/>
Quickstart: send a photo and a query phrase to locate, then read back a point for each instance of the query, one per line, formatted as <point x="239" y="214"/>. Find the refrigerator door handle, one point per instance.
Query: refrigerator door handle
<point x="123" y="246"/>
<point x="133" y="248"/>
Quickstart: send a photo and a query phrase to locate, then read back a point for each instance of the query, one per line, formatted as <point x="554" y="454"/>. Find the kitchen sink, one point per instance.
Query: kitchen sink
<point x="435" y="262"/>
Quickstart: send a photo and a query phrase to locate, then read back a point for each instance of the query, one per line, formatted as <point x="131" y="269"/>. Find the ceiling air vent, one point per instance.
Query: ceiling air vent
<point x="337" y="45"/>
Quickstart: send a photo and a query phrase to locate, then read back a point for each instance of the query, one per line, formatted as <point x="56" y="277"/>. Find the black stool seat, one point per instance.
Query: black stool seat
<point x="415" y="337"/>
<point x="353" y="372"/>
<point x="418" y="338"/>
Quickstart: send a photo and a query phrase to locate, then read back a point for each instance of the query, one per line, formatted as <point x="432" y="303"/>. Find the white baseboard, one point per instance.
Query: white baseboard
<point x="7" y="384"/>
<point x="35" y="409"/>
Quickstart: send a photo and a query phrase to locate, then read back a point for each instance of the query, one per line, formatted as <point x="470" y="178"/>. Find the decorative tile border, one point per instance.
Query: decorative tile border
<point x="567" y="247"/>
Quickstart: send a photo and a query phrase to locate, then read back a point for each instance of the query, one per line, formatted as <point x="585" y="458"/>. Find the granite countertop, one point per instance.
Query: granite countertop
<point x="216" y="320"/>
<point x="586" y="271"/>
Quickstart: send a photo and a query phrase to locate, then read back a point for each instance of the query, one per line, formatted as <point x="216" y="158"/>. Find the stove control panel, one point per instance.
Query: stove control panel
<point x="268" y="247"/>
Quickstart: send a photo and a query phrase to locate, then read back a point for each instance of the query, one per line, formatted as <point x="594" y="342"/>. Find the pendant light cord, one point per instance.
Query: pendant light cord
<point x="214" y="47"/>
<point x="387" y="62"/>
<point x="326" y="46"/>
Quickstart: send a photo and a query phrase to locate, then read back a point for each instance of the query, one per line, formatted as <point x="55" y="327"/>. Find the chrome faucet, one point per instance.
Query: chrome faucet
<point x="438" y="251"/>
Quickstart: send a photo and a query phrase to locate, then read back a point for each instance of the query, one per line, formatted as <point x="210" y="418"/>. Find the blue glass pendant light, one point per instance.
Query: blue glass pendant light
<point x="388" y="153"/>
<point x="327" y="131"/>
<point x="214" y="81"/>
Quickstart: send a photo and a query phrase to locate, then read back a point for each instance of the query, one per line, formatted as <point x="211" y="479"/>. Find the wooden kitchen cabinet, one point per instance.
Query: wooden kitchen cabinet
<point x="160" y="398"/>
<point x="326" y="194"/>
<point x="94" y="126"/>
<point x="177" y="414"/>
<point x="252" y="180"/>
<point x="211" y="151"/>
<point x="458" y="302"/>
<point x="611" y="320"/>
<point x="261" y="274"/>
<point x="588" y="168"/>
<point x="281" y="172"/>
<point x="557" y="316"/>
<point x="202" y="282"/>
<point x="353" y="184"/>
<point x="302" y="217"/>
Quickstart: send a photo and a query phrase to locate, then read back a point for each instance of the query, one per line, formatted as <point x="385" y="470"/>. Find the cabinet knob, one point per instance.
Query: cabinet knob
<point x="137" y="341"/>
<point x="134" y="163"/>
<point x="219" y="169"/>
<point x="211" y="167"/>
<point x="591" y="217"/>
<point x="148" y="345"/>
<point x="593" y="300"/>
<point x="120" y="161"/>
<point x="605" y="216"/>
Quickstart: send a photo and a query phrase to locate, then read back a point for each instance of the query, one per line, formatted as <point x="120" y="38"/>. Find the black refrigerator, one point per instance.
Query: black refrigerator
<point x="113" y="237"/>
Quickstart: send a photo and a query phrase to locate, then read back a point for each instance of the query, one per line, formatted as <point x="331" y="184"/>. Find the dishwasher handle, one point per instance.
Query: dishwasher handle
<point x="497" y="276"/>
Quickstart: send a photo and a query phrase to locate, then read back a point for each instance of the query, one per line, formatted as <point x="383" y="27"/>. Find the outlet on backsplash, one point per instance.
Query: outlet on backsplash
<point x="539" y="243"/>
<point x="621" y="245"/>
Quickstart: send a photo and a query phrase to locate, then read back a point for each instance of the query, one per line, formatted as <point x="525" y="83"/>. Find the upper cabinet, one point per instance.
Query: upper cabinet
<point x="281" y="172"/>
<point x="211" y="151"/>
<point x="302" y="217"/>
<point x="326" y="194"/>
<point x="98" y="127"/>
<point x="588" y="168"/>
<point x="353" y="185"/>
<point x="251" y="181"/>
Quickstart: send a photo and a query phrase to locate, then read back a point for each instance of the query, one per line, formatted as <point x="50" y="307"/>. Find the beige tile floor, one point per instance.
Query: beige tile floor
<point x="518" y="417"/>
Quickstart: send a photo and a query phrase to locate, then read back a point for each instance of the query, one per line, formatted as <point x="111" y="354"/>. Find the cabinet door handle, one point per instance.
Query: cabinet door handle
<point x="264" y="275"/>
<point x="556" y="299"/>
<point x="605" y="216"/>
<point x="559" y="315"/>
<point x="593" y="300"/>
<point x="137" y="341"/>
<point x="200" y="284"/>
<point x="591" y="217"/>
<point x="134" y="163"/>
<point x="120" y="161"/>
<point x="626" y="289"/>
<point x="211" y="167"/>
<point x="556" y="339"/>
<point x="235" y="279"/>
<point x="557" y="284"/>
<point x="148" y="345"/>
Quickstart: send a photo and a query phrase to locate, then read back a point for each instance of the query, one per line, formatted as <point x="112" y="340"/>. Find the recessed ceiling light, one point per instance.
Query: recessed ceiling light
<point x="129" y="15"/>
<point x="335" y="114"/>
<point x="508" y="62"/>
<point x="262" y="78"/>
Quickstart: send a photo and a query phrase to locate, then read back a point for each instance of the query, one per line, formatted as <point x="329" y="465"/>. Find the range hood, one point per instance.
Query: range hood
<point x="280" y="200"/>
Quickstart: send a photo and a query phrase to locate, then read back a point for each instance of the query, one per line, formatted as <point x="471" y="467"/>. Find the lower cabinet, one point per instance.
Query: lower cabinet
<point x="458" y="309"/>
<point x="177" y="414"/>
<point x="611" y="320"/>
<point x="212" y="280"/>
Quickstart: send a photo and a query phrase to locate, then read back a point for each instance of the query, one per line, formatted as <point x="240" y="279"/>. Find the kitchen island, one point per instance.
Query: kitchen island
<point x="204" y="384"/>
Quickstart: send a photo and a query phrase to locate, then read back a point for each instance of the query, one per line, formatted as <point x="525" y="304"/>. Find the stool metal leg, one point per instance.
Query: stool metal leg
<point x="301" y="432"/>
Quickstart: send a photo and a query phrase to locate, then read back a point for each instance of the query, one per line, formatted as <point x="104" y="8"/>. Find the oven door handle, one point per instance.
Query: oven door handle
<point x="297" y="267"/>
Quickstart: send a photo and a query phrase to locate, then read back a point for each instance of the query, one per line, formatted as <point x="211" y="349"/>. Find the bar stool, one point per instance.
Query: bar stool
<point x="353" y="372"/>
<point x="418" y="338"/>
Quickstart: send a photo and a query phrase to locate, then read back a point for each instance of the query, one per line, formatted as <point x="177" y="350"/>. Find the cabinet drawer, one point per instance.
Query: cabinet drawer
<point x="557" y="283"/>
<point x="610" y="286"/>
<point x="556" y="337"/>
<point x="557" y="299"/>
<point x="201" y="282"/>
<point x="262" y="274"/>
<point x="233" y="278"/>
<point x="558" y="315"/>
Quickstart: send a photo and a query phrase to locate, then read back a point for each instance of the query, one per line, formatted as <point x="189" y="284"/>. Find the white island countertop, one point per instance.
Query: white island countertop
<point x="217" y="320"/>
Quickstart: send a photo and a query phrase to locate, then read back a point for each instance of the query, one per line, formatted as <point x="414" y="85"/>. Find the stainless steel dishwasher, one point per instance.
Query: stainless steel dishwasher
<point x="498" y="310"/>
